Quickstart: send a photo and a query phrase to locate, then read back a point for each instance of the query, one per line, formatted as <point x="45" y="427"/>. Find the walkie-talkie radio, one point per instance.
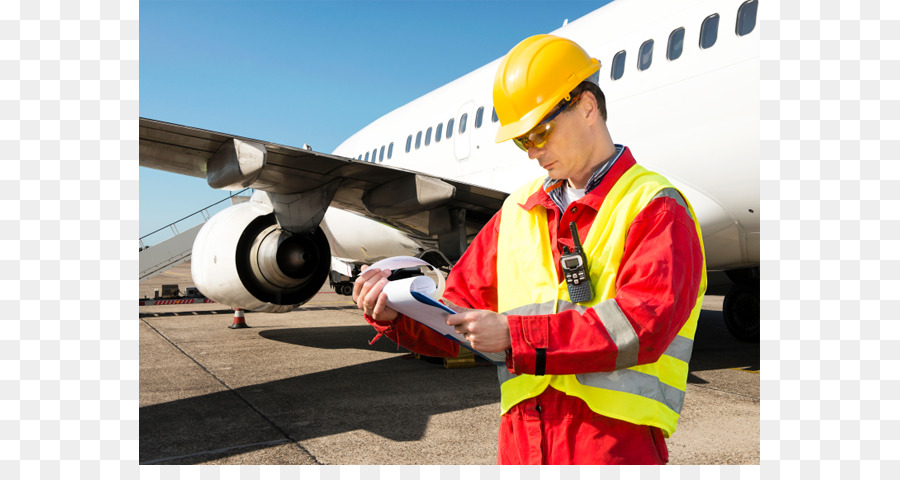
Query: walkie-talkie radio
<point x="574" y="266"/>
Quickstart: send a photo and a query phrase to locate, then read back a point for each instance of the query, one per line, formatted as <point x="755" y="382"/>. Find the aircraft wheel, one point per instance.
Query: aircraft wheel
<point x="741" y="312"/>
<point x="743" y="275"/>
<point x="347" y="289"/>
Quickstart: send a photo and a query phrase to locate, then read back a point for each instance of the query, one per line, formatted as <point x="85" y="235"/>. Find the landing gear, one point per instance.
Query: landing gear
<point x="741" y="305"/>
<point x="342" y="284"/>
<point x="345" y="288"/>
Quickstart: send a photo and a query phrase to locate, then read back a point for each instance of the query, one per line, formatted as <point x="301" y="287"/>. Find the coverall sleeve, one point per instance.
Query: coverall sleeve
<point x="473" y="281"/>
<point x="657" y="286"/>
<point x="471" y="284"/>
<point x="414" y="336"/>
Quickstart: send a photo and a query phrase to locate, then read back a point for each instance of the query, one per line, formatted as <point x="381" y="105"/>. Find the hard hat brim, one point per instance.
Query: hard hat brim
<point x="523" y="126"/>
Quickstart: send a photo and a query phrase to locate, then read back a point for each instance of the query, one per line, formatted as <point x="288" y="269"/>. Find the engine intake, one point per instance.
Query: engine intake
<point x="242" y="258"/>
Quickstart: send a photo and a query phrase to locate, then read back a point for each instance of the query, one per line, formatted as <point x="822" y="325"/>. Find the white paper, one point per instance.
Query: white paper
<point x="400" y="298"/>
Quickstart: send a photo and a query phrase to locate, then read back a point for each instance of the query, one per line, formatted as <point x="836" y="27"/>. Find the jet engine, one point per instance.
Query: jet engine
<point x="242" y="258"/>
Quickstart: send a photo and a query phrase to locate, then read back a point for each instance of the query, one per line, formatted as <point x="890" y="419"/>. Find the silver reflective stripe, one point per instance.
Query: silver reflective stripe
<point x="637" y="383"/>
<point x="504" y="375"/>
<point x="680" y="348"/>
<point x="563" y="305"/>
<point x="545" y="308"/>
<point x="621" y="331"/>
<point x="628" y="381"/>
<point x="674" y="195"/>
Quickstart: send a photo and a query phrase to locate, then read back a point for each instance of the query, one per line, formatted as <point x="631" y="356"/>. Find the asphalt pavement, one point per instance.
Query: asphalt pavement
<point x="306" y="387"/>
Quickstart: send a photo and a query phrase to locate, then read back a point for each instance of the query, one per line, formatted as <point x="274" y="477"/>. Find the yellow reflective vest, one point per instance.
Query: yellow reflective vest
<point x="527" y="284"/>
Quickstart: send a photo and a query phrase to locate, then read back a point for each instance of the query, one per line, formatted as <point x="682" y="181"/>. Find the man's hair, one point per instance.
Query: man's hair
<point x="595" y="90"/>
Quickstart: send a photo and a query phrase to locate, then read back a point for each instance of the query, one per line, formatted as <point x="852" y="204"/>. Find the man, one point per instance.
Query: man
<point x="598" y="380"/>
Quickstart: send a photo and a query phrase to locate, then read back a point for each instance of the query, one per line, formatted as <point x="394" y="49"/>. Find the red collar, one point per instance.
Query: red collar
<point x="593" y="198"/>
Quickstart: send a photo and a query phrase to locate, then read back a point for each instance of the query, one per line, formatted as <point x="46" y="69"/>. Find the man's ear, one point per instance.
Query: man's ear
<point x="588" y="103"/>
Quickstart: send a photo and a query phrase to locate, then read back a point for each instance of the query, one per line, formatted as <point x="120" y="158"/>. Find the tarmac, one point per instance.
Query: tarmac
<point x="307" y="388"/>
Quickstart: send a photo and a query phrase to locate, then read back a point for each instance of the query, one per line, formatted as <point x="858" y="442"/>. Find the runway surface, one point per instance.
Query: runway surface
<point x="306" y="387"/>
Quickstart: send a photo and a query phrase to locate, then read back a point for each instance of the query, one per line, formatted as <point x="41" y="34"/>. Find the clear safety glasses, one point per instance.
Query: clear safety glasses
<point x="538" y="136"/>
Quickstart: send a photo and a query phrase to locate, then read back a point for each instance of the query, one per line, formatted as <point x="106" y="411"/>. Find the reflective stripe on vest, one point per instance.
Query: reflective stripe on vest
<point x="650" y="394"/>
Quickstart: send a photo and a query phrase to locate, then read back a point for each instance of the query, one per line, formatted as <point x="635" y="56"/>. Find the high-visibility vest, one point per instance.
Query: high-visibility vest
<point x="649" y="394"/>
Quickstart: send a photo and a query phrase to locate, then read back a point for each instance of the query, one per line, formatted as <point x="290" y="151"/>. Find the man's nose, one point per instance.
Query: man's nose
<point x="534" y="153"/>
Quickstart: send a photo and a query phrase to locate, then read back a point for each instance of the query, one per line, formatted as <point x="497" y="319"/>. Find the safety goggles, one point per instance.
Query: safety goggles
<point x="537" y="137"/>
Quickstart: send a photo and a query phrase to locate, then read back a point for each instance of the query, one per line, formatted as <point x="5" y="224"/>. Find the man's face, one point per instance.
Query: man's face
<point x="563" y="155"/>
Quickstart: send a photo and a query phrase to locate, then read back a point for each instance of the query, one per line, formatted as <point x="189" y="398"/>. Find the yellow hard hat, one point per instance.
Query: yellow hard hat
<point x="533" y="77"/>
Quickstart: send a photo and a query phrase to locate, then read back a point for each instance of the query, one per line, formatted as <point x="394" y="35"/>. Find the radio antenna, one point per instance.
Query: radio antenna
<point x="574" y="229"/>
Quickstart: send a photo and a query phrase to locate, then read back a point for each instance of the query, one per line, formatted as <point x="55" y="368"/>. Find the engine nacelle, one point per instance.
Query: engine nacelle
<point x="243" y="259"/>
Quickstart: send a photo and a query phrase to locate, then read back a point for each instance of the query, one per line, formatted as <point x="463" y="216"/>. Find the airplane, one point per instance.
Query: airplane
<point x="681" y="82"/>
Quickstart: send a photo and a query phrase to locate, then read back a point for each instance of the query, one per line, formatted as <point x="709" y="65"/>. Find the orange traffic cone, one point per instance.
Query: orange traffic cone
<point x="239" y="319"/>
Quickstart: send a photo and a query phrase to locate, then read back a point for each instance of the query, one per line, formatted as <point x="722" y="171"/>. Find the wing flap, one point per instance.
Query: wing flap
<point x="417" y="204"/>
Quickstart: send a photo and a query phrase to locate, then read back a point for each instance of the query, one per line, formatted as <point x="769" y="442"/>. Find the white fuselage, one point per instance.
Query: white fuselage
<point x="694" y="119"/>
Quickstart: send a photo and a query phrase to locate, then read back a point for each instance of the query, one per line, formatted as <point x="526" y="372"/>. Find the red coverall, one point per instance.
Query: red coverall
<point x="657" y="286"/>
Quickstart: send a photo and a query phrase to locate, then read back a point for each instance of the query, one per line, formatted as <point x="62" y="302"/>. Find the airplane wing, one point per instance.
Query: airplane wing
<point x="422" y="206"/>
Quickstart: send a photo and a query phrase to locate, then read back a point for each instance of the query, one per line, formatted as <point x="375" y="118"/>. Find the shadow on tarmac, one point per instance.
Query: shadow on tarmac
<point x="331" y="338"/>
<point x="392" y="398"/>
<point x="715" y="348"/>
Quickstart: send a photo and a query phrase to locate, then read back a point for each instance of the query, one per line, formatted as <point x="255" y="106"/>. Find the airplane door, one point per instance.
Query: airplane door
<point x="463" y="135"/>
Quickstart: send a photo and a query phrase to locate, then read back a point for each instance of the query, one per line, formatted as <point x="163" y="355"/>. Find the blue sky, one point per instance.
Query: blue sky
<point x="294" y="72"/>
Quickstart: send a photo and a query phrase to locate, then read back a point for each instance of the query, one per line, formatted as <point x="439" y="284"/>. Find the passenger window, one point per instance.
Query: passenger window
<point x="428" y="137"/>
<point x="408" y="143"/>
<point x="418" y="139"/>
<point x="645" y="55"/>
<point x="494" y="118"/>
<point x="676" y="44"/>
<point x="450" y="128"/>
<point x="374" y="154"/>
<point x="618" y="66"/>
<point x="390" y="150"/>
<point x="479" y="115"/>
<point x="437" y="133"/>
<point x="367" y="156"/>
<point x="709" y="31"/>
<point x="381" y="155"/>
<point x="746" y="18"/>
<point x="462" y="123"/>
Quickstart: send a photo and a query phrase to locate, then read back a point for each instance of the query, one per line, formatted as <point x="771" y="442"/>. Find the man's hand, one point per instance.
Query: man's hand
<point x="368" y="295"/>
<point x="487" y="331"/>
